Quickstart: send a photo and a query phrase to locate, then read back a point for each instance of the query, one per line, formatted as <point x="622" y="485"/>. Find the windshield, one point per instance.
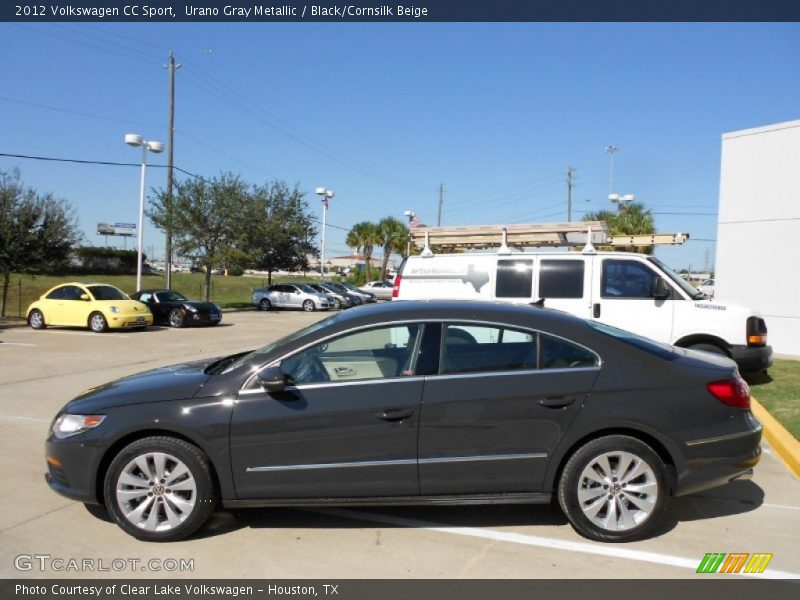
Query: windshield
<point x="171" y="297"/>
<point x="337" y="287"/>
<point x="256" y="357"/>
<point x="106" y="292"/>
<point x="349" y="286"/>
<point x="692" y="291"/>
<point x="306" y="288"/>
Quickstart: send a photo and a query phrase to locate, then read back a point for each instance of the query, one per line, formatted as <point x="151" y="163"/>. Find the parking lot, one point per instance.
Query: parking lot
<point x="41" y="370"/>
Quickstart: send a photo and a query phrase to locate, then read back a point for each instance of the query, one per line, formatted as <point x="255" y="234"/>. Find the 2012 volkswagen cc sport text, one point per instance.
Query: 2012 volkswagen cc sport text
<point x="438" y="402"/>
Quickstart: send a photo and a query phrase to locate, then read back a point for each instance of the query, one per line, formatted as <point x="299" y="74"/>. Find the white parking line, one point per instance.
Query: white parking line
<point x="19" y="418"/>
<point x="608" y="550"/>
<point x="108" y="336"/>
<point x="16" y="344"/>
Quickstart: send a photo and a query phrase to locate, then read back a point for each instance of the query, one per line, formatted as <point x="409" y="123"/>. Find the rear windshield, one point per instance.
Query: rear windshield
<point x="658" y="349"/>
<point x="106" y="292"/>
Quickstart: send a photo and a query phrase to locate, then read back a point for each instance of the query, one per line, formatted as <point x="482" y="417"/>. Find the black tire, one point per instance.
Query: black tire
<point x="308" y="306"/>
<point x="97" y="322"/>
<point x="337" y="304"/>
<point x="199" y="467"/>
<point x="176" y="318"/>
<point x="264" y="304"/>
<point x="572" y="483"/>
<point x="36" y="319"/>
<point x="710" y="348"/>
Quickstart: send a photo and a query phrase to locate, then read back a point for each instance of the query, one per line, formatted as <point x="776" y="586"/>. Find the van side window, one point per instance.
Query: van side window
<point x="561" y="278"/>
<point x="626" y="279"/>
<point x="514" y="279"/>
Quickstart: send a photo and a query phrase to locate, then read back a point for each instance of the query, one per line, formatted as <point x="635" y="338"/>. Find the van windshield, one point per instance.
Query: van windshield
<point x="687" y="287"/>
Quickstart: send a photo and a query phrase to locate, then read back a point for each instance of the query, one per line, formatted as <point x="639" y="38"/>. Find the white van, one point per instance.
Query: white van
<point x="634" y="292"/>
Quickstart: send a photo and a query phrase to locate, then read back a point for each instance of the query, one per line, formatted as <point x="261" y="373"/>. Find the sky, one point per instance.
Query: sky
<point x="382" y="114"/>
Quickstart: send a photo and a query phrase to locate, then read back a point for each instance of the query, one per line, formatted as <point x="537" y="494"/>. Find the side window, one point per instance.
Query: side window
<point x="71" y="292"/>
<point x="479" y="348"/>
<point x="514" y="279"/>
<point x="379" y="353"/>
<point x="147" y="297"/>
<point x="561" y="354"/>
<point x="626" y="279"/>
<point x="561" y="279"/>
<point x="56" y="294"/>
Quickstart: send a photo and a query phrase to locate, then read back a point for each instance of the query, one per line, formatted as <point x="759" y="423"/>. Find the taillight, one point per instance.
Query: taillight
<point x="756" y="332"/>
<point x="733" y="392"/>
<point x="396" y="288"/>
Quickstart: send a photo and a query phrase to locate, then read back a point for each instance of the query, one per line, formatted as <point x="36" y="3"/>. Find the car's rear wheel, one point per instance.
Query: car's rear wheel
<point x="614" y="489"/>
<point x="160" y="489"/>
<point x="264" y="304"/>
<point x="308" y="306"/>
<point x="176" y="318"/>
<point x="98" y="323"/>
<point x="36" y="319"/>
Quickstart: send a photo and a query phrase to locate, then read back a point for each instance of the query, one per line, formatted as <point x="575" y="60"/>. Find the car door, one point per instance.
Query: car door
<point x="53" y="306"/>
<point x="75" y="311"/>
<point x="346" y="426"/>
<point x="622" y="298"/>
<point x="497" y="408"/>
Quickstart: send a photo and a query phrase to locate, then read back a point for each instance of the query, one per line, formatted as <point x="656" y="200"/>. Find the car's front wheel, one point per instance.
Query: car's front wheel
<point x="308" y="306"/>
<point x="176" y="318"/>
<point x="98" y="323"/>
<point x="160" y="489"/>
<point x="614" y="489"/>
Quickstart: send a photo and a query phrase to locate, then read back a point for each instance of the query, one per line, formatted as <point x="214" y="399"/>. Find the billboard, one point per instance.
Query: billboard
<point x="124" y="229"/>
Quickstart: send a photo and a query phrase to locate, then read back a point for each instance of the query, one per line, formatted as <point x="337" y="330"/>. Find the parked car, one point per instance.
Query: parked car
<point x="98" y="306"/>
<point x="292" y="295"/>
<point x="366" y="297"/>
<point x="342" y="298"/>
<point x="176" y="310"/>
<point x="381" y="289"/>
<point x="521" y="405"/>
<point x="707" y="287"/>
<point x="635" y="292"/>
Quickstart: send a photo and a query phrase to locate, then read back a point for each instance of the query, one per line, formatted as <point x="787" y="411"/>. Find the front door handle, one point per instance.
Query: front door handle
<point x="596" y="310"/>
<point x="557" y="401"/>
<point x="394" y="414"/>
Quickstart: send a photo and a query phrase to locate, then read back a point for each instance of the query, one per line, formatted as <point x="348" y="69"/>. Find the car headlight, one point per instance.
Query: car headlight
<point x="219" y="308"/>
<point x="68" y="425"/>
<point x="114" y="309"/>
<point x="190" y="308"/>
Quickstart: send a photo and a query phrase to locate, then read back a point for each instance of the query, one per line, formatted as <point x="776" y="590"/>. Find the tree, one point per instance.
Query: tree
<point x="275" y="229"/>
<point x="393" y="234"/>
<point x="205" y="215"/>
<point x="633" y="219"/>
<point x="37" y="231"/>
<point x="363" y="237"/>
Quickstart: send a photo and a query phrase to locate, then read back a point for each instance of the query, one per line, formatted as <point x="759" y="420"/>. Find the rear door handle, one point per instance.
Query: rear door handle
<point x="557" y="401"/>
<point x="394" y="414"/>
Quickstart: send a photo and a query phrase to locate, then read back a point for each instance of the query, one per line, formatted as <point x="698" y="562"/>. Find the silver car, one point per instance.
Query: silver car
<point x="382" y="289"/>
<point x="291" y="295"/>
<point x="342" y="298"/>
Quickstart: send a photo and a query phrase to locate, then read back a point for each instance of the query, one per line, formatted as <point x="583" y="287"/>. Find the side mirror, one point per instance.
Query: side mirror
<point x="659" y="289"/>
<point x="84" y="297"/>
<point x="272" y="379"/>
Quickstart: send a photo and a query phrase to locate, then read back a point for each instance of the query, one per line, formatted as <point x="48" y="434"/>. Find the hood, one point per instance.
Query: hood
<point x="166" y="383"/>
<point x="205" y="306"/>
<point x="126" y="305"/>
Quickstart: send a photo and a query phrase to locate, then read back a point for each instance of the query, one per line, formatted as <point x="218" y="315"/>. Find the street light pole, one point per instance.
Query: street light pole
<point x="326" y="196"/>
<point x="610" y="150"/>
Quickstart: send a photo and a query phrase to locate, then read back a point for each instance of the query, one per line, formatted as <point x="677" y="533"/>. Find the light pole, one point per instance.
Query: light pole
<point x="610" y="150"/>
<point x="326" y="196"/>
<point x="622" y="201"/>
<point x="134" y="140"/>
<point x="412" y="221"/>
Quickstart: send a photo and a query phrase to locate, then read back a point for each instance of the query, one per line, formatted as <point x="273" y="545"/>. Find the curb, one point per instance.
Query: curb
<point x="784" y="443"/>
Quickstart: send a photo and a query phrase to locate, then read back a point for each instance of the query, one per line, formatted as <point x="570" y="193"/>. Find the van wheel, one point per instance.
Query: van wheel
<point x="614" y="489"/>
<point x="160" y="489"/>
<point x="710" y="348"/>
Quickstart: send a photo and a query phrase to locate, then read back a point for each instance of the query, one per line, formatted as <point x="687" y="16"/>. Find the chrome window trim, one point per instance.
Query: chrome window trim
<point x="243" y="389"/>
<point x="395" y="462"/>
<point x="513" y="372"/>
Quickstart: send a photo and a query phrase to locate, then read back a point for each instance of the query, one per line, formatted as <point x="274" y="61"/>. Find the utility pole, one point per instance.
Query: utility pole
<point x="610" y="150"/>
<point x="570" y="182"/>
<point x="171" y="68"/>
<point x="441" y="205"/>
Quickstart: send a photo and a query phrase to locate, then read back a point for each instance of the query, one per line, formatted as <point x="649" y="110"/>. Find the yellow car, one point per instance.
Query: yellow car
<point x="98" y="306"/>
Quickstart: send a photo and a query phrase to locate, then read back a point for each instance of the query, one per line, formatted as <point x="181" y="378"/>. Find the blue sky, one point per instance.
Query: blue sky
<point x="383" y="113"/>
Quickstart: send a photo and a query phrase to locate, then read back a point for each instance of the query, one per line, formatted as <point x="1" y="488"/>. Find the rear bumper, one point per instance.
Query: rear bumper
<point x="752" y="358"/>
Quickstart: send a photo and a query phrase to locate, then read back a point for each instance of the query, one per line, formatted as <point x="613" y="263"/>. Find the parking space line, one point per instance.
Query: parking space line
<point x="608" y="550"/>
<point x="96" y="335"/>
<point x="16" y="344"/>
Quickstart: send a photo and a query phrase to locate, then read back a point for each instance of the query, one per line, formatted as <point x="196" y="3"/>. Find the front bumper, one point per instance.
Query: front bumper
<point x="199" y="318"/>
<point x="752" y="358"/>
<point x="127" y="321"/>
<point x="75" y="477"/>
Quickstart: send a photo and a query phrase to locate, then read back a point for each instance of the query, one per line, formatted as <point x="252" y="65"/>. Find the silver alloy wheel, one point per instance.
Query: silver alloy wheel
<point x="175" y="318"/>
<point x="337" y="303"/>
<point x="308" y="305"/>
<point x="156" y="491"/>
<point x="617" y="491"/>
<point x="36" y="319"/>
<point x="264" y="304"/>
<point x="98" y="323"/>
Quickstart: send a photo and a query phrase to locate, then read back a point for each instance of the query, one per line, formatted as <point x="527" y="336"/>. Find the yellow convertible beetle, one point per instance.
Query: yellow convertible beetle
<point x="98" y="306"/>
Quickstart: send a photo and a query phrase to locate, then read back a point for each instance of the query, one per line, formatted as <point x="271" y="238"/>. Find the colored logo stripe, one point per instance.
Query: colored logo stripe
<point x="758" y="563"/>
<point x="714" y="562"/>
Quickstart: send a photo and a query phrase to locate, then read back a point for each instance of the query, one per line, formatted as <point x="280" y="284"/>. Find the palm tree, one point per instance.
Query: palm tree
<point x="393" y="233"/>
<point x="633" y="219"/>
<point x="363" y="237"/>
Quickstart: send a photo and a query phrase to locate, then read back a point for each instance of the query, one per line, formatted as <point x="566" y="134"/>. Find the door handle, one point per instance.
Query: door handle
<point x="394" y="414"/>
<point x="557" y="401"/>
<point x="596" y="310"/>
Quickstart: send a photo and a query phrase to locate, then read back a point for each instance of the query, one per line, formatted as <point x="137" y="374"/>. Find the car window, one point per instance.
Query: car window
<point x="561" y="278"/>
<point x="379" y="353"/>
<point x="626" y="279"/>
<point x="514" y="279"/>
<point x="106" y="292"/>
<point x="57" y="294"/>
<point x="145" y="297"/>
<point x="480" y="348"/>
<point x="558" y="353"/>
<point x="66" y="292"/>
<point x="170" y="297"/>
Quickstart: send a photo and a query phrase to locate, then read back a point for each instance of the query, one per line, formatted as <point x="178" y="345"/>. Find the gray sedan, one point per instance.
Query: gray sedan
<point x="292" y="295"/>
<point x="381" y="289"/>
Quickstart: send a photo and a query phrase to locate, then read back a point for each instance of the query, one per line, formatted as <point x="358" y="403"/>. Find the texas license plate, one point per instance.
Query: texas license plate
<point x="140" y="319"/>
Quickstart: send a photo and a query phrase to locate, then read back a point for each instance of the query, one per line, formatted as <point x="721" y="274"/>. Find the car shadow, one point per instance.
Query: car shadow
<point x="756" y="379"/>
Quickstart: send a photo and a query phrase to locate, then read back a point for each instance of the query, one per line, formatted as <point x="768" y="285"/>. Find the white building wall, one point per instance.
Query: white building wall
<point x="758" y="229"/>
